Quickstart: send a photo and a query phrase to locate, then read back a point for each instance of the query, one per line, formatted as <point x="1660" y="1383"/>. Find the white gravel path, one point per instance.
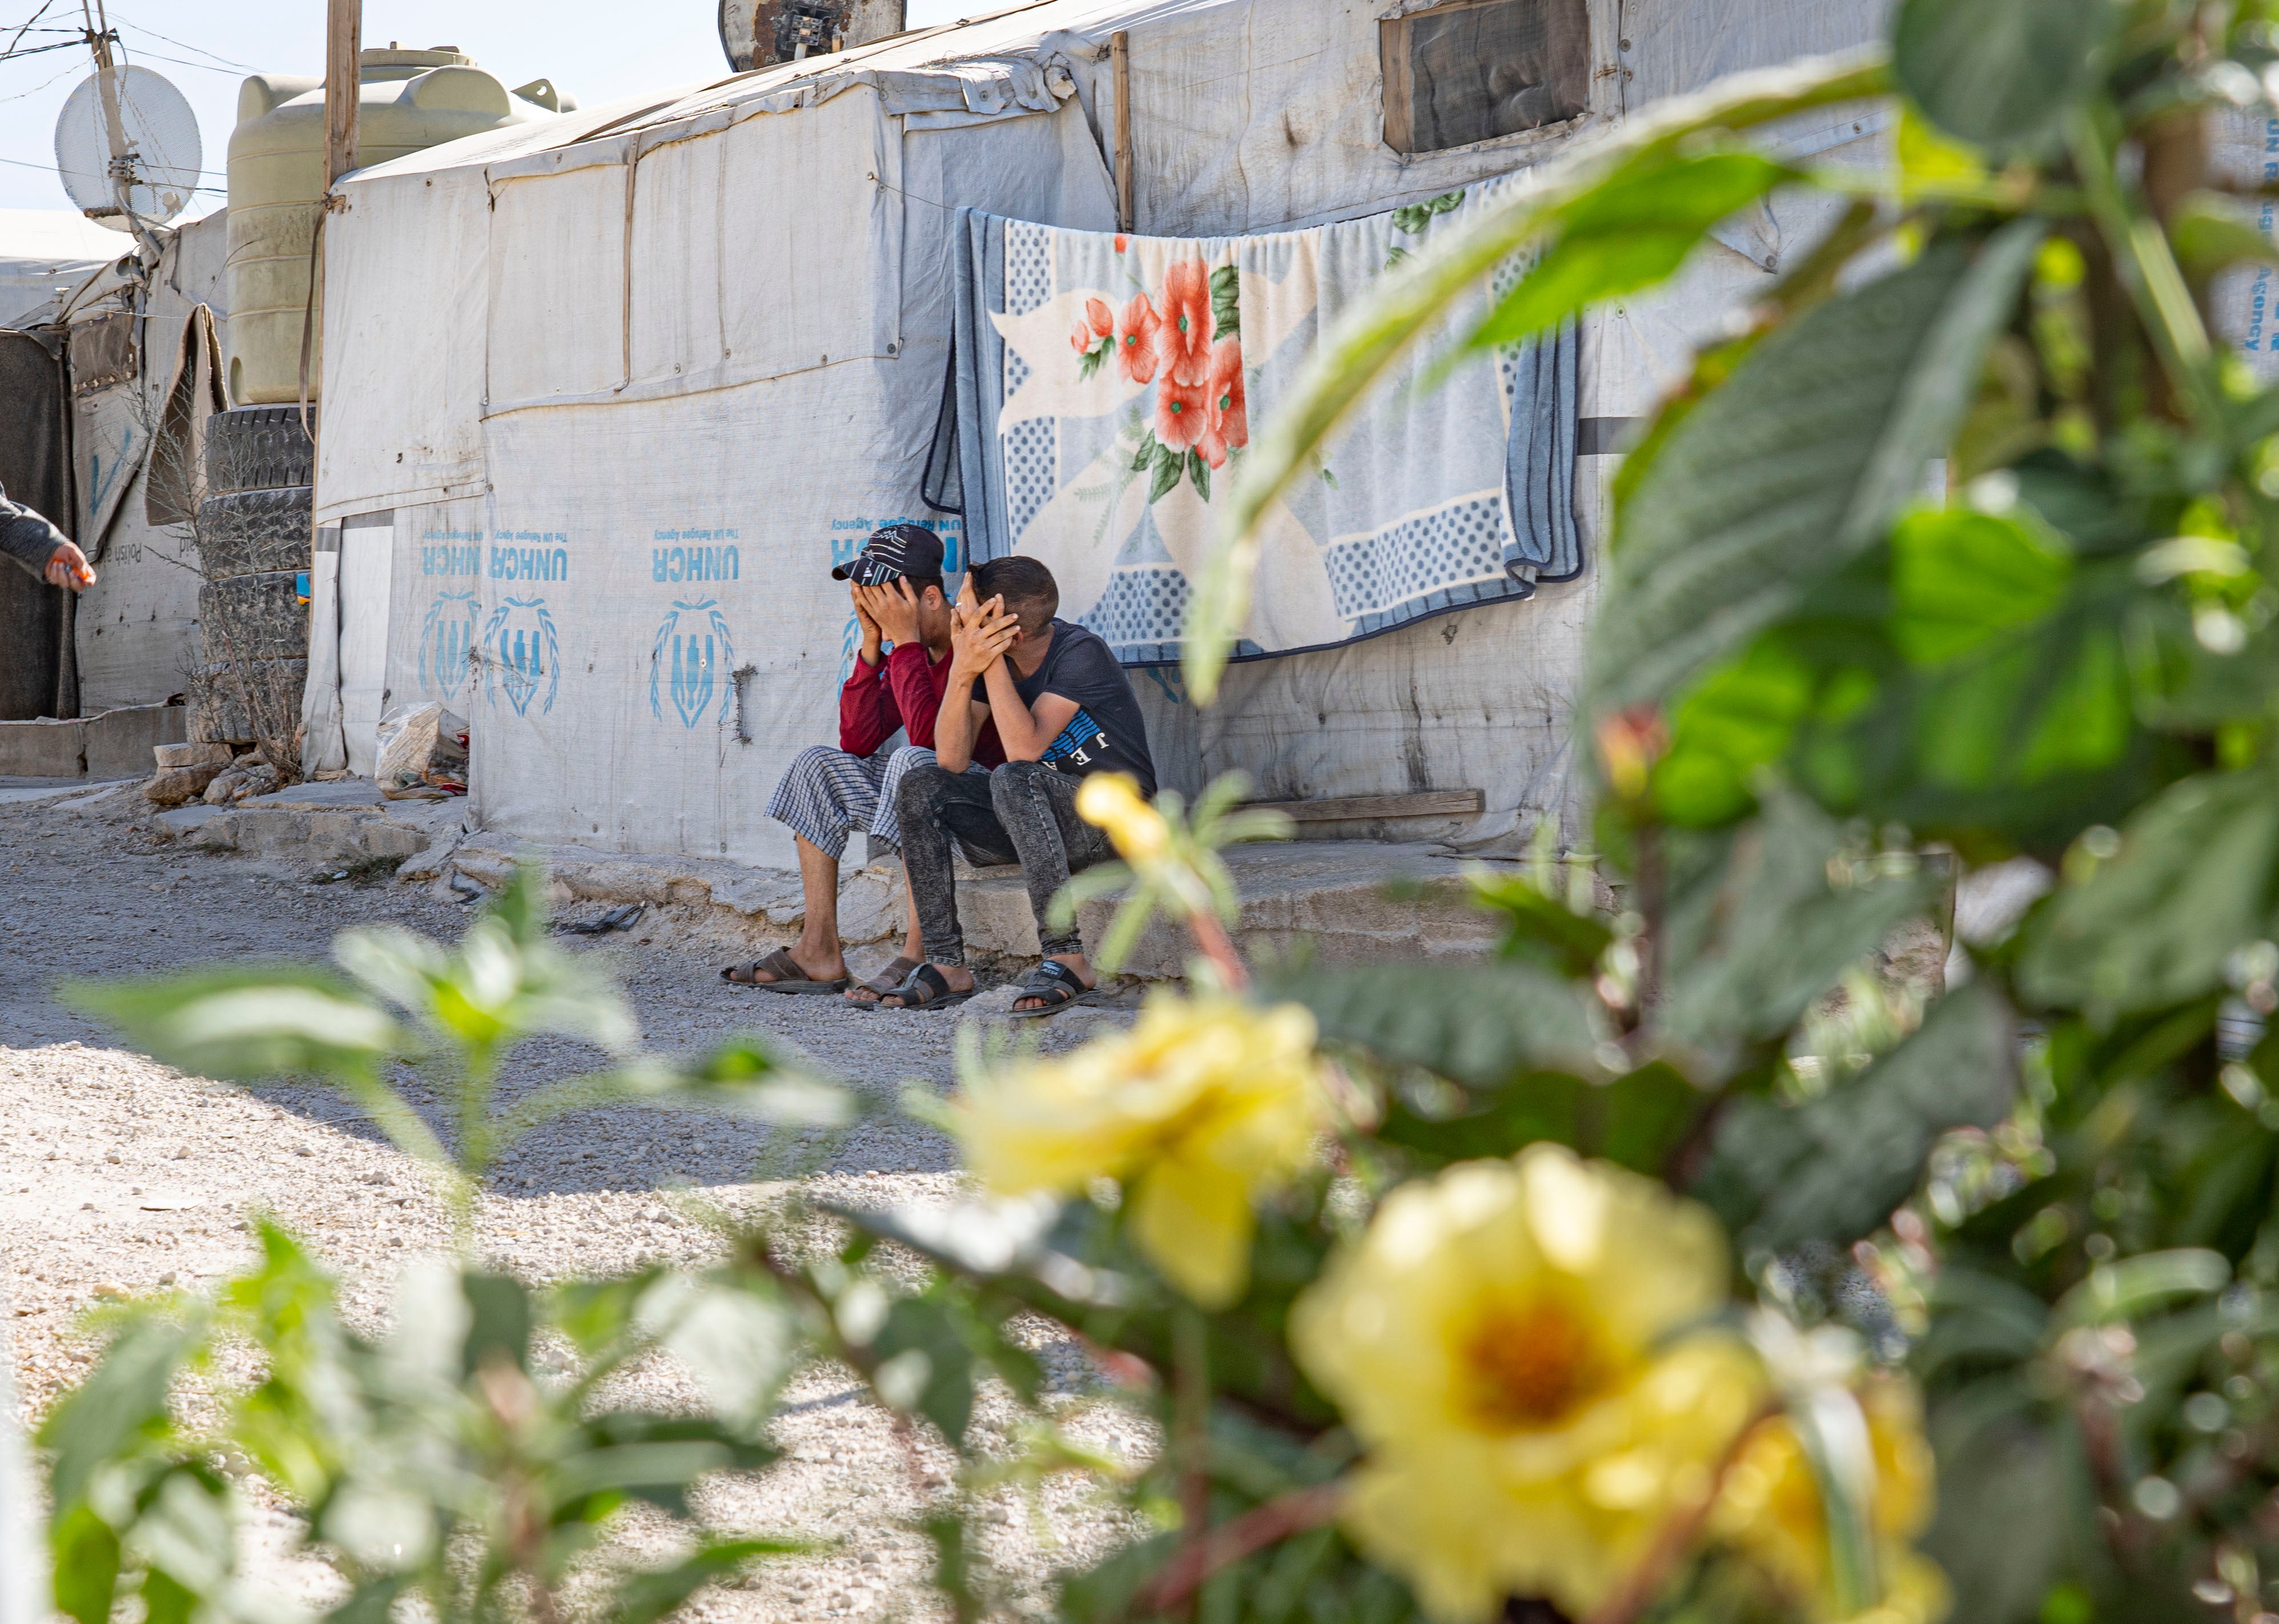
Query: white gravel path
<point x="118" y="1173"/>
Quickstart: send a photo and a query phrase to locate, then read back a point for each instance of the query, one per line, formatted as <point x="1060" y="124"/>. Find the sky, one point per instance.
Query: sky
<point x="595" y="50"/>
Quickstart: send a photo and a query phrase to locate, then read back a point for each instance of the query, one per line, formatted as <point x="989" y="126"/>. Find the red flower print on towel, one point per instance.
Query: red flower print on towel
<point x="1182" y="414"/>
<point x="1226" y="414"/>
<point x="1097" y="323"/>
<point x="1135" y="339"/>
<point x="1185" y="337"/>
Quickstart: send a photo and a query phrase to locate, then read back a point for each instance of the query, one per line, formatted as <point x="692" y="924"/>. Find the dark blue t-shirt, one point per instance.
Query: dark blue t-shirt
<point x="1107" y="733"/>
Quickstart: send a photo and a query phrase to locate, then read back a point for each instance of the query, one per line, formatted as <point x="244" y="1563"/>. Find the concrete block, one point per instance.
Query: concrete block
<point x="169" y="757"/>
<point x="993" y="908"/>
<point x="185" y="820"/>
<point x="380" y="838"/>
<point x="870" y="905"/>
<point x="42" y="749"/>
<point x="216" y="832"/>
<point x="170" y="786"/>
<point x="333" y="792"/>
<point x="120" y="742"/>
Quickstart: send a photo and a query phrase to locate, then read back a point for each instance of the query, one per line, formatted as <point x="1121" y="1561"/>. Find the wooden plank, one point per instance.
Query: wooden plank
<point x="1430" y="803"/>
<point x="343" y="31"/>
<point x="1119" y="49"/>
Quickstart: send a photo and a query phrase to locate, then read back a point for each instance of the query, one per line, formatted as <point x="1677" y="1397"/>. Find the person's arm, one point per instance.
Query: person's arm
<point x="919" y="687"/>
<point x="1026" y="731"/>
<point x="980" y="635"/>
<point x="917" y="682"/>
<point x="865" y="707"/>
<point x="865" y="711"/>
<point x="31" y="542"/>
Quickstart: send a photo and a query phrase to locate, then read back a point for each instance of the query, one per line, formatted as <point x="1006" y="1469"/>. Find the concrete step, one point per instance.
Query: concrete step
<point x="1343" y="901"/>
<point x="112" y="743"/>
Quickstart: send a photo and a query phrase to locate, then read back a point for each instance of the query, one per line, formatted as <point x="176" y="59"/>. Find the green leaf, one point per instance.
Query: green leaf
<point x="924" y="1365"/>
<point x="1171" y="467"/>
<point x="1756" y="929"/>
<point x="1544" y="1105"/>
<point x="1376" y="338"/>
<point x="1226" y="303"/>
<point x="645" y="1598"/>
<point x="1960" y="579"/>
<point x="2213" y="233"/>
<point x="2153" y="924"/>
<point x="1998" y="74"/>
<point x="1833" y="1168"/>
<point x="118" y="1411"/>
<point x="500" y="1320"/>
<point x="1145" y="457"/>
<point x="250" y="1023"/>
<point x="1482" y="1024"/>
<point x="2013" y="1490"/>
<point x="86" y="1552"/>
<point x="1199" y="470"/>
<point x="1797" y="465"/>
<point x="1641" y="1117"/>
<point x="1632" y="231"/>
<point x="1737" y="719"/>
<point x="2129" y="1288"/>
<point x="1542" y="926"/>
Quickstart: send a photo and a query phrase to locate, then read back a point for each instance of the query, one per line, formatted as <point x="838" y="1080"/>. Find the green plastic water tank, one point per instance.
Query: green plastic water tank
<point x="407" y="100"/>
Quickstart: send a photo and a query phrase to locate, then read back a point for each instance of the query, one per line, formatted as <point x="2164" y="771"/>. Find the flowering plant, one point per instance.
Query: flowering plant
<point x="1758" y="1236"/>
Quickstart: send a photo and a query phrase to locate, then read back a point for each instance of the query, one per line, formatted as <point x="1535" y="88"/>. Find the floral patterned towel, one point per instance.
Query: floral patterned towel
<point x="1100" y="398"/>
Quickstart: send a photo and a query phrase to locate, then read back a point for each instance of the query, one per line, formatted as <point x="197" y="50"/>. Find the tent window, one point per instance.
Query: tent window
<point x="1482" y="68"/>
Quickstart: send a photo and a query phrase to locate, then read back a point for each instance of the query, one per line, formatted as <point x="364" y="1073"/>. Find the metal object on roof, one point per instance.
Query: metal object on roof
<point x="161" y="164"/>
<point x="757" y="33"/>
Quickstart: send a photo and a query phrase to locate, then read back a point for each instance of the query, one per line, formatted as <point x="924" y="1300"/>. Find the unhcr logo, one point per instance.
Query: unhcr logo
<point x="522" y="653"/>
<point x="447" y="637"/>
<point x="694" y="653"/>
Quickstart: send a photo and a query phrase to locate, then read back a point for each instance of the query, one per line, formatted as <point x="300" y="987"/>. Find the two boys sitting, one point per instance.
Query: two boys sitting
<point x="1007" y="708"/>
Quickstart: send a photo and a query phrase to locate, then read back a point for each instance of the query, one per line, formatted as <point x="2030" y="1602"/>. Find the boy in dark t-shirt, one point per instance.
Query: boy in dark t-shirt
<point x="1062" y="709"/>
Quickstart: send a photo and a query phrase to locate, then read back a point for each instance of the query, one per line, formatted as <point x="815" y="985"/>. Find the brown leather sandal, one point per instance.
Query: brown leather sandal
<point x="787" y="976"/>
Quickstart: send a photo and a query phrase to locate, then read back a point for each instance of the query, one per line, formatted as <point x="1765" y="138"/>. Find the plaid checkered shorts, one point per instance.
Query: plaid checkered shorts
<point x="827" y="794"/>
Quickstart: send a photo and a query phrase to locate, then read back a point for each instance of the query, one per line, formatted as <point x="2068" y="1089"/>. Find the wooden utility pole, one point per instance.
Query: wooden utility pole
<point x="344" y="34"/>
<point x="1119" y="50"/>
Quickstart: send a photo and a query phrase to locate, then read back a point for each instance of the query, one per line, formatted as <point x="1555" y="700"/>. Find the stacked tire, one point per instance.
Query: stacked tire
<point x="253" y="538"/>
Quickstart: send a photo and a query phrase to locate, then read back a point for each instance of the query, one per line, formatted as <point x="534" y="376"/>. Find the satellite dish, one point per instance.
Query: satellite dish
<point x="163" y="153"/>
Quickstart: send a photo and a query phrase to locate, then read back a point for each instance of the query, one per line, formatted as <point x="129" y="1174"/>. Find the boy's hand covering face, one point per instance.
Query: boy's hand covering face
<point x="862" y="614"/>
<point x="980" y="633"/>
<point x="892" y="607"/>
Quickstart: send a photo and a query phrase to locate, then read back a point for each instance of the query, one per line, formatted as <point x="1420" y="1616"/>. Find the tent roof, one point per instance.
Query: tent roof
<point x="43" y="251"/>
<point x="966" y="71"/>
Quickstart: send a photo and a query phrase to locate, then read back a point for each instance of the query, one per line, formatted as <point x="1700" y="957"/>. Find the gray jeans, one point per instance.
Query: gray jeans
<point x="1023" y="812"/>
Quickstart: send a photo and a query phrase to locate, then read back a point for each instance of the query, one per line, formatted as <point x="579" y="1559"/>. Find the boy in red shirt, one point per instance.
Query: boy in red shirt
<point x="827" y="794"/>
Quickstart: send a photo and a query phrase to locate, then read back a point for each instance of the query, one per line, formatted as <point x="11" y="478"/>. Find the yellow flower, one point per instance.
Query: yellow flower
<point x="1201" y="1104"/>
<point x="1110" y="800"/>
<point x="1501" y="1339"/>
<point x="1769" y="1508"/>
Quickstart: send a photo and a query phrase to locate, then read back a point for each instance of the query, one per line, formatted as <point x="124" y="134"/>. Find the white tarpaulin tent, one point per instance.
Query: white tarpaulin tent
<point x="605" y="396"/>
<point x="45" y="253"/>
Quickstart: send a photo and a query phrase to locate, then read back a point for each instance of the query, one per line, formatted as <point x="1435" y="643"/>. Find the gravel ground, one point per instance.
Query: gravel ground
<point x="120" y="1176"/>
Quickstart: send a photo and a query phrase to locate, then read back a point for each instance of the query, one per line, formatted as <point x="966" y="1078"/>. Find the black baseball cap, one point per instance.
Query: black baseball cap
<point x="892" y="553"/>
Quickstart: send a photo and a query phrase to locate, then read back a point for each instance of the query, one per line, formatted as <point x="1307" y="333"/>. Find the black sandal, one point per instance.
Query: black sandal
<point x="925" y="988"/>
<point x="1057" y="985"/>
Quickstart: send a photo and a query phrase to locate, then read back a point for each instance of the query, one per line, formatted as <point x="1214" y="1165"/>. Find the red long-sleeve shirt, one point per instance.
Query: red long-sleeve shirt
<point x="902" y="692"/>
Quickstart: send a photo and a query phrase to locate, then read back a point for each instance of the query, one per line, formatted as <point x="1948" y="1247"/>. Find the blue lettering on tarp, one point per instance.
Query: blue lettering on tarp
<point x="530" y="563"/>
<point x="451" y="552"/>
<point x="523" y="650"/>
<point x="696" y="563"/>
